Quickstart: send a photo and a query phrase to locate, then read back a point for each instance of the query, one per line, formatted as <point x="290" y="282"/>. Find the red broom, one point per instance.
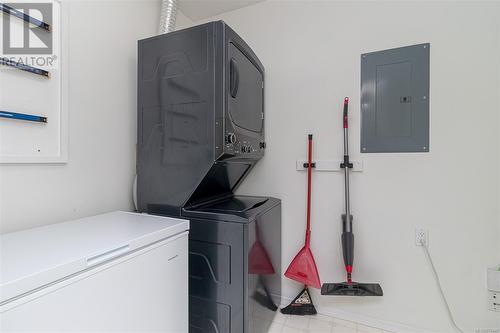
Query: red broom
<point x="303" y="267"/>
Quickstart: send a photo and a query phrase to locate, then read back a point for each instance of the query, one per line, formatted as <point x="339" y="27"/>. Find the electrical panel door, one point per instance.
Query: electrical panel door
<point x="395" y="100"/>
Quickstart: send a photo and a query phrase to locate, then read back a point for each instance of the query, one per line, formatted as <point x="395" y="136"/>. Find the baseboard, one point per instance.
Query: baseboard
<point x="362" y="319"/>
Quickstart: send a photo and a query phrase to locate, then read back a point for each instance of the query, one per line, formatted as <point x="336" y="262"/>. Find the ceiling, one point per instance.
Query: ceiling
<point x="201" y="9"/>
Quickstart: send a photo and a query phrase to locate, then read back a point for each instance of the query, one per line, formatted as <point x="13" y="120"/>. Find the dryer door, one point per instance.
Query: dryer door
<point x="245" y="86"/>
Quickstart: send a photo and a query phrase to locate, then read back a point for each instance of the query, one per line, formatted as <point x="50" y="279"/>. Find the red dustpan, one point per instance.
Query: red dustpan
<point x="258" y="259"/>
<point x="303" y="267"/>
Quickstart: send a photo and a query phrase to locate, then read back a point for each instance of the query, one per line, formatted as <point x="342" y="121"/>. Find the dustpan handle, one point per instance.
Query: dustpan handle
<point x="309" y="173"/>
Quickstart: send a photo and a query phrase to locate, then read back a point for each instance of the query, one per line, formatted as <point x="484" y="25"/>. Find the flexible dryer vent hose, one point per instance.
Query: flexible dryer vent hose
<point x="168" y="14"/>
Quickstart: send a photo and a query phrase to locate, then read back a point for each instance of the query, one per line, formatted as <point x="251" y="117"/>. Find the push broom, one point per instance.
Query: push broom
<point x="349" y="288"/>
<point x="303" y="267"/>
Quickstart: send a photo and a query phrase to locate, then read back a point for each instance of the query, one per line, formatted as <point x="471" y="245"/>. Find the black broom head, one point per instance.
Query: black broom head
<point x="352" y="289"/>
<point x="302" y="305"/>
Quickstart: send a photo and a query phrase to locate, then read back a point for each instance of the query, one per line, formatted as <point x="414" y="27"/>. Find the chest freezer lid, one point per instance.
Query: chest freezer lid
<point x="33" y="258"/>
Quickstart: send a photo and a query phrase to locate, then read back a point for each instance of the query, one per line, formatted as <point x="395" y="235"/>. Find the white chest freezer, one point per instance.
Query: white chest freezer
<point x="116" y="272"/>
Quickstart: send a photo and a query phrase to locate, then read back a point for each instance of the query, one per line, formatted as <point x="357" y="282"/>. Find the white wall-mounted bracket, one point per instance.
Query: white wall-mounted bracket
<point x="494" y="301"/>
<point x="328" y="165"/>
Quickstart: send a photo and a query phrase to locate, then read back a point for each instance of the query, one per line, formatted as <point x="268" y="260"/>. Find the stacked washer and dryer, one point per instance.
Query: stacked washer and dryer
<point x="200" y="132"/>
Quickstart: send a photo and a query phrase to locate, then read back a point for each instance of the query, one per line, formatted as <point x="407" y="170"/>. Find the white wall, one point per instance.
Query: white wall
<point x="102" y="122"/>
<point x="311" y="53"/>
<point x="498" y="108"/>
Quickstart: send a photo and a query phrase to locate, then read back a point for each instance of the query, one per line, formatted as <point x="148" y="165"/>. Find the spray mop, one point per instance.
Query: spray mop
<point x="349" y="288"/>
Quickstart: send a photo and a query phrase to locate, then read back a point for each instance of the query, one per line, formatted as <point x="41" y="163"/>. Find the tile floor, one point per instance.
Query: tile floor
<point x="317" y="324"/>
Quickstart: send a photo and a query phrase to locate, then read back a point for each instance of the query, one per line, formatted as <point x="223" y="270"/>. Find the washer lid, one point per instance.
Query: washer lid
<point x="238" y="208"/>
<point x="33" y="258"/>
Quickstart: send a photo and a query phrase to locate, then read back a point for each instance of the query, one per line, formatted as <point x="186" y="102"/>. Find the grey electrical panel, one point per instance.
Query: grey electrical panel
<point x="395" y="100"/>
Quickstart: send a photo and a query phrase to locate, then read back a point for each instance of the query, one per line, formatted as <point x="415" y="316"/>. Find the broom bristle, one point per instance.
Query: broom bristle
<point x="302" y="305"/>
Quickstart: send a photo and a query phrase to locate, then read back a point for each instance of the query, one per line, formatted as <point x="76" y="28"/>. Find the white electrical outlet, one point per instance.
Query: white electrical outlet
<point x="421" y="236"/>
<point x="494" y="301"/>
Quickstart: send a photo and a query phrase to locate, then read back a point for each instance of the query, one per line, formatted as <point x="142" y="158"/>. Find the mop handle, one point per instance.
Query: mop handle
<point x="309" y="172"/>
<point x="346" y="164"/>
<point x="346" y="104"/>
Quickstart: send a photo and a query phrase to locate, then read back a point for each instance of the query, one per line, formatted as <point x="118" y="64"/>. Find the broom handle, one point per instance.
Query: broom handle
<point x="309" y="172"/>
